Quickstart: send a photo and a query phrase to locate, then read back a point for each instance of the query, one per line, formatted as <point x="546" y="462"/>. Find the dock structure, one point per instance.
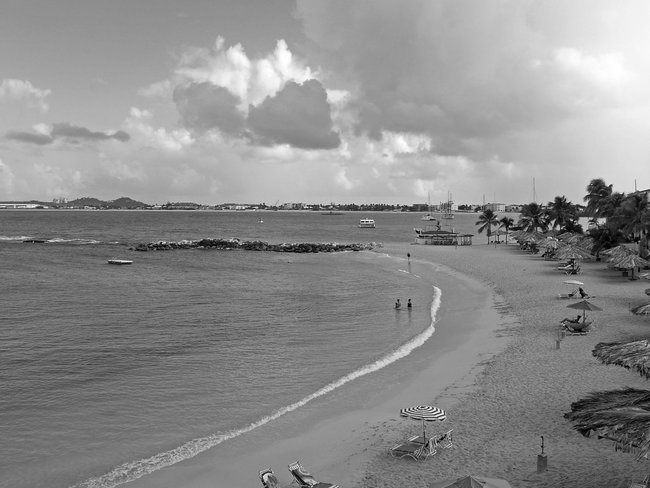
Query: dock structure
<point x="436" y="237"/>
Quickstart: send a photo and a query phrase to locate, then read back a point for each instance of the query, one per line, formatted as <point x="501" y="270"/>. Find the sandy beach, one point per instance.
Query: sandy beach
<point x="523" y="392"/>
<point x="499" y="374"/>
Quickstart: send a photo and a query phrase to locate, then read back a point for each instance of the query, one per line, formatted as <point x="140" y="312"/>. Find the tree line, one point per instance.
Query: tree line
<point x="614" y="217"/>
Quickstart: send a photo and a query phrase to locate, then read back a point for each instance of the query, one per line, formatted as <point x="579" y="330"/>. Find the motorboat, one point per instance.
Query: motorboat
<point x="366" y="223"/>
<point x="119" y="261"/>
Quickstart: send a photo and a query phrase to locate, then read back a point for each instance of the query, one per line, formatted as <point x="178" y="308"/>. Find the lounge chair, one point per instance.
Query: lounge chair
<point x="419" y="450"/>
<point x="576" y="328"/>
<point x="573" y="294"/>
<point x="268" y="479"/>
<point x="306" y="480"/>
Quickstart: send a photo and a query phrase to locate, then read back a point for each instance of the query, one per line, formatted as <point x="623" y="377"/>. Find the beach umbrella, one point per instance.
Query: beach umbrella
<point x="641" y="309"/>
<point x="630" y="355"/>
<point x="622" y="416"/>
<point x="584" y="305"/>
<point x="618" y="251"/>
<point x="425" y="413"/>
<point x="572" y="252"/>
<point x="629" y="261"/>
<point x="574" y="282"/>
<point x="471" y="481"/>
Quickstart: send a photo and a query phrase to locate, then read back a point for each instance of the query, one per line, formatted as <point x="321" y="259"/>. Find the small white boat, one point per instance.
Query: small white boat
<point x="367" y="223"/>
<point x="119" y="261"/>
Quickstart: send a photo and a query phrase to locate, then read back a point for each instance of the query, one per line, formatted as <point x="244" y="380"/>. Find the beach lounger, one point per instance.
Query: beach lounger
<point x="572" y="328"/>
<point x="306" y="480"/>
<point x="268" y="479"/>
<point x="568" y="295"/>
<point x="417" y="449"/>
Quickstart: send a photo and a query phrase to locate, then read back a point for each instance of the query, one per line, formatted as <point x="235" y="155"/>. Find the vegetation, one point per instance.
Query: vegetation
<point x="615" y="217"/>
<point x="486" y="220"/>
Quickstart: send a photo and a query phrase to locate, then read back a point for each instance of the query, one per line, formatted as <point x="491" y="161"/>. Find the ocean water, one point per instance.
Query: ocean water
<point x="108" y="373"/>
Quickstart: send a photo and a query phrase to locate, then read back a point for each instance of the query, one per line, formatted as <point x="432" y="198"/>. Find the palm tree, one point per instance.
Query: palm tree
<point x="486" y="220"/>
<point x="562" y="212"/>
<point x="506" y="223"/>
<point x="633" y="218"/>
<point x="597" y="194"/>
<point x="533" y="217"/>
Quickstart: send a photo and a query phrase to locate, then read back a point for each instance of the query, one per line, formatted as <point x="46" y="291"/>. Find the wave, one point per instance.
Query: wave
<point x="15" y="238"/>
<point x="133" y="470"/>
<point x="61" y="240"/>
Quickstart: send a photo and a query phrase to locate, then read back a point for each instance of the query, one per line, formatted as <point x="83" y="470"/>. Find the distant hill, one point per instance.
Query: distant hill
<point x="120" y="203"/>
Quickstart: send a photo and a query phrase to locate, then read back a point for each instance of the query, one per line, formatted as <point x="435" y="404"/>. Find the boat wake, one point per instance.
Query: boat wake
<point x="136" y="469"/>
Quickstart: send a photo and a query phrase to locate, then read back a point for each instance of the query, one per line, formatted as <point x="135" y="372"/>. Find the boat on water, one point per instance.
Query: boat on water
<point x="446" y="212"/>
<point x="429" y="216"/>
<point x="119" y="261"/>
<point x="367" y="223"/>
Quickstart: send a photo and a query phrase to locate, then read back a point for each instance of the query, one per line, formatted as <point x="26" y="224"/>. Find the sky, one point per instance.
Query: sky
<point x="374" y="101"/>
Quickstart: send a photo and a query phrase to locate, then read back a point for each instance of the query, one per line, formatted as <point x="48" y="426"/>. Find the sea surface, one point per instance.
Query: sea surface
<point x="108" y="373"/>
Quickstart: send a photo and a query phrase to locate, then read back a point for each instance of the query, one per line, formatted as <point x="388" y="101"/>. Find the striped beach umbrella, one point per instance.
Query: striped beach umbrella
<point x="425" y="413"/>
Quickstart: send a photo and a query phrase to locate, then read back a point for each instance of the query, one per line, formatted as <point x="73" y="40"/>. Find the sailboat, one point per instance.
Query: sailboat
<point x="447" y="213"/>
<point x="429" y="216"/>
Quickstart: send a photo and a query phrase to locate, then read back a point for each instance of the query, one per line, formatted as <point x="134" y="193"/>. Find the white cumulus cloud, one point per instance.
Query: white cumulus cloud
<point x="12" y="90"/>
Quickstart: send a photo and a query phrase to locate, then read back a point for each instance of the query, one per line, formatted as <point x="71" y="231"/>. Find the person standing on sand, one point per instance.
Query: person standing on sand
<point x="398" y="304"/>
<point x="409" y="304"/>
<point x="408" y="256"/>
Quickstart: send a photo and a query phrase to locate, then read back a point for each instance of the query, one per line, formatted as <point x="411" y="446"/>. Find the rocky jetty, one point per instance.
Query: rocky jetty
<point x="227" y="244"/>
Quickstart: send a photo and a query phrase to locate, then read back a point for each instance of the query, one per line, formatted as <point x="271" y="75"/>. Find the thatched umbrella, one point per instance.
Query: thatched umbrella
<point x="619" y="415"/>
<point x="630" y="261"/>
<point x="630" y="355"/>
<point x="641" y="309"/>
<point x="618" y="251"/>
<point x="572" y="252"/>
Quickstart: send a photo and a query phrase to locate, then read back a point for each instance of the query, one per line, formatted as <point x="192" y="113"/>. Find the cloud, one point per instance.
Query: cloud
<point x="70" y="131"/>
<point x="458" y="71"/>
<point x="205" y="106"/>
<point x="12" y="90"/>
<point x="298" y="115"/>
<point x="6" y="179"/>
<point x="160" y="89"/>
<point x="145" y="135"/>
<point x="250" y="81"/>
<point x="30" y="137"/>
<point x="44" y="135"/>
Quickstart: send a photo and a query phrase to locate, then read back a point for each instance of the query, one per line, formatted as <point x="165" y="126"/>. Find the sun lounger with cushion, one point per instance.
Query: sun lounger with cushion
<point x="268" y="479"/>
<point x="417" y="449"/>
<point x="306" y="480"/>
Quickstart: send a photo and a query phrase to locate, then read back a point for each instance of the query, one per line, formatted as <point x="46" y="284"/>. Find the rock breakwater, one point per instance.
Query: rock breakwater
<point x="234" y="243"/>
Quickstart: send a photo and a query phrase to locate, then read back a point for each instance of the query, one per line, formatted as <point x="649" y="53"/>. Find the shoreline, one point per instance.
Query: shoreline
<point x="337" y="436"/>
<point x="503" y="381"/>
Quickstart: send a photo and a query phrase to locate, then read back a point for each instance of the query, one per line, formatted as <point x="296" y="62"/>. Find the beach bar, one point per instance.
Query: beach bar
<point x="437" y="237"/>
